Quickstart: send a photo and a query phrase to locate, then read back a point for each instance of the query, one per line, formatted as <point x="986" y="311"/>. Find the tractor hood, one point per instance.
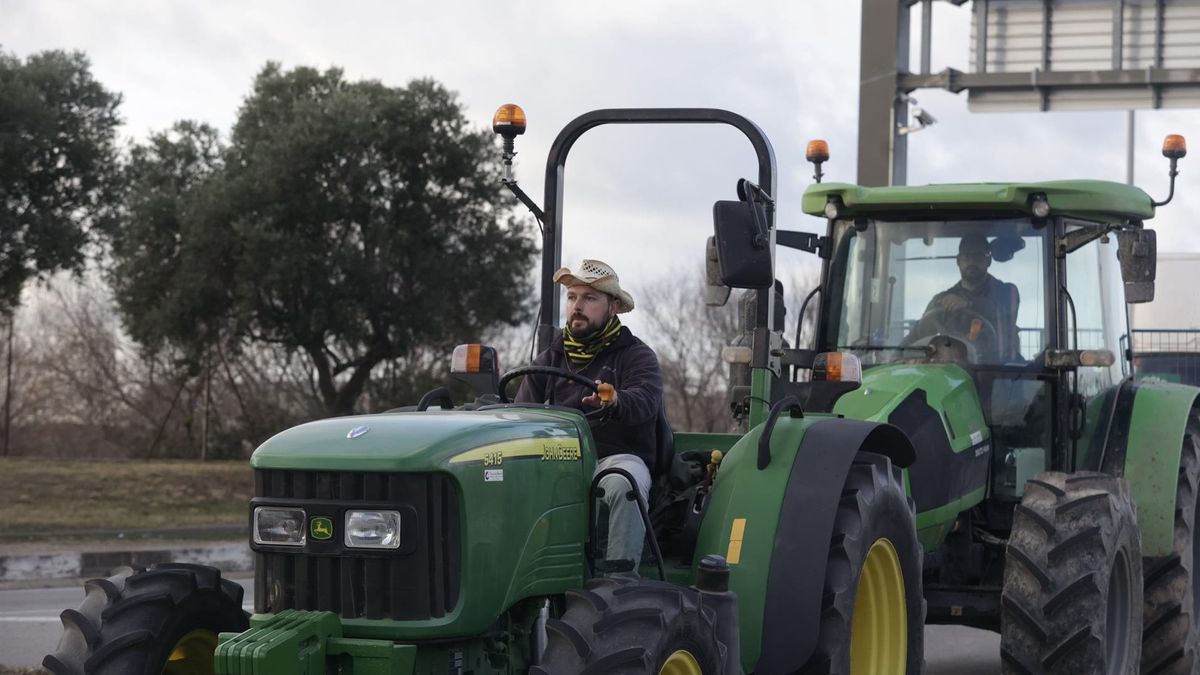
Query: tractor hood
<point x="937" y="407"/>
<point x="414" y="441"/>
<point x="888" y="391"/>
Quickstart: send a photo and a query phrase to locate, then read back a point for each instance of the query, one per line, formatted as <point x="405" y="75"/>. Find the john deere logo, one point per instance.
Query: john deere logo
<point x="321" y="528"/>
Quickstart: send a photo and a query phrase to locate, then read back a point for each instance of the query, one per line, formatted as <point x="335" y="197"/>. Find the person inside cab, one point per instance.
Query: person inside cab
<point x="980" y="308"/>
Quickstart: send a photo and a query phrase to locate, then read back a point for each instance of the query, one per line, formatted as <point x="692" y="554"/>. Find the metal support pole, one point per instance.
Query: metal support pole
<point x="8" y="385"/>
<point x="1130" y="124"/>
<point x="207" y="404"/>
<point x="926" y="36"/>
<point x="1118" y="34"/>
<point x="981" y="35"/>
<point x="883" y="56"/>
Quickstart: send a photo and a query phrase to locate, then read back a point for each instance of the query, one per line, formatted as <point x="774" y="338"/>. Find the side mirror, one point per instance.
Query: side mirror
<point x="716" y="294"/>
<point x="478" y="366"/>
<point x="1137" y="251"/>
<point x="743" y="244"/>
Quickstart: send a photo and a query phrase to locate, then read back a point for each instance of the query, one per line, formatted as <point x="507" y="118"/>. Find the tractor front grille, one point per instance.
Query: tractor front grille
<point x="418" y="581"/>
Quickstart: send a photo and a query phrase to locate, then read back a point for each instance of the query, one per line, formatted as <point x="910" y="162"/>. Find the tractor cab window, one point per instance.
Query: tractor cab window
<point x="963" y="291"/>
<point x="1095" y="317"/>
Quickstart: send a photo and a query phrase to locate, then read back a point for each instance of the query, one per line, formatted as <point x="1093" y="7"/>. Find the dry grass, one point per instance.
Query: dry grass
<point x="65" y="496"/>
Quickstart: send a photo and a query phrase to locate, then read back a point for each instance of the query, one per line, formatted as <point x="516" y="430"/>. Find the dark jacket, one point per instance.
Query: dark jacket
<point x="997" y="301"/>
<point x="632" y="368"/>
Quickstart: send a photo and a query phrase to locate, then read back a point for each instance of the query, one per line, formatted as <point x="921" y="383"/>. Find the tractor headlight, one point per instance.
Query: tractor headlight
<point x="279" y="526"/>
<point x="373" y="529"/>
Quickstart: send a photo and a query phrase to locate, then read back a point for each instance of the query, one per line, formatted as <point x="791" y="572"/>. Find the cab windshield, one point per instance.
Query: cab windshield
<point x="968" y="291"/>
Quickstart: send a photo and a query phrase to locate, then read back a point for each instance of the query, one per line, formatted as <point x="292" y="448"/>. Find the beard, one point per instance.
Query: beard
<point x="584" y="331"/>
<point x="974" y="275"/>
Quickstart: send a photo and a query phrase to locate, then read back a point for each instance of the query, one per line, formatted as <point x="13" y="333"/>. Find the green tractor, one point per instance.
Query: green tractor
<point x="1055" y="494"/>
<point x="1024" y="486"/>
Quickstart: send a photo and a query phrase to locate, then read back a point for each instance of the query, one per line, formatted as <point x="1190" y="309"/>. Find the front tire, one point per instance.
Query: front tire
<point x="873" y="615"/>
<point x="618" y="627"/>
<point x="1072" y="579"/>
<point x="1171" y="638"/>
<point x="162" y="620"/>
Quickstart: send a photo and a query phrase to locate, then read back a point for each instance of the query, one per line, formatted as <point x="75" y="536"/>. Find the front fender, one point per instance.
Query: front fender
<point x="774" y="526"/>
<point x="1145" y="435"/>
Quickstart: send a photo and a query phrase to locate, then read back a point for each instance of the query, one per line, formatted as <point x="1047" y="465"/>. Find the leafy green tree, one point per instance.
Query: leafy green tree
<point x="58" y="165"/>
<point x="173" y="251"/>
<point x="350" y="221"/>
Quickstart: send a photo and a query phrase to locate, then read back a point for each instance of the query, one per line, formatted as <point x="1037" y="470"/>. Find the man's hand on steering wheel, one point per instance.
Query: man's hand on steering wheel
<point x="953" y="302"/>
<point x="603" y="395"/>
<point x="945" y="318"/>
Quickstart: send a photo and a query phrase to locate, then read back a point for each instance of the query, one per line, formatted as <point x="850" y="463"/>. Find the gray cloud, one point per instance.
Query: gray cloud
<point x="639" y="198"/>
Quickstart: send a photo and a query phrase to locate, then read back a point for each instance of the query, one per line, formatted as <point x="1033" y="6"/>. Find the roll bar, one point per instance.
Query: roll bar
<point x="556" y="163"/>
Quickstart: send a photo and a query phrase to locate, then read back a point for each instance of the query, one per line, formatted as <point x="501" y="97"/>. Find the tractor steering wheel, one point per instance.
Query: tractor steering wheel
<point x="948" y="322"/>
<point x="551" y="371"/>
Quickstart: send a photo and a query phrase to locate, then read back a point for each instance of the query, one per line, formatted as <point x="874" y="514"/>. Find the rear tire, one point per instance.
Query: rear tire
<point x="1072" y="579"/>
<point x="872" y="623"/>
<point x="162" y="620"/>
<point x="618" y="627"/>
<point x="1171" y="637"/>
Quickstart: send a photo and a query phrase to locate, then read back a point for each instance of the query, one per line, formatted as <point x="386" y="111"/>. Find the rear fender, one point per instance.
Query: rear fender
<point x="1145" y="434"/>
<point x="775" y="526"/>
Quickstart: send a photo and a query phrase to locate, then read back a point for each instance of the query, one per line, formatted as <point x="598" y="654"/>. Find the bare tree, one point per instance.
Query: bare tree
<point x="84" y="389"/>
<point x="688" y="337"/>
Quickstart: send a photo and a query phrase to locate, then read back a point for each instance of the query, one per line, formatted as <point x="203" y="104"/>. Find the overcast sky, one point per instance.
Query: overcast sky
<point x="639" y="199"/>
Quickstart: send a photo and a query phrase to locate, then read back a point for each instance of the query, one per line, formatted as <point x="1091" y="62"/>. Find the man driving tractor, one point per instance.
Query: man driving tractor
<point x="595" y="344"/>
<point x="979" y="307"/>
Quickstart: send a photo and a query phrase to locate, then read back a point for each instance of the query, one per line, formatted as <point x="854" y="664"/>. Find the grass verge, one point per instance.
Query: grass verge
<point x="52" y="498"/>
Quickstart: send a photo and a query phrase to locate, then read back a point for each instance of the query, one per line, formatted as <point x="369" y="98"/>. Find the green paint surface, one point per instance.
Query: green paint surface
<point x="1159" y="418"/>
<point x="409" y="441"/>
<point x="933" y="525"/>
<point x="523" y="514"/>
<point x="949" y="390"/>
<point x="742" y="491"/>
<point x="1087" y="199"/>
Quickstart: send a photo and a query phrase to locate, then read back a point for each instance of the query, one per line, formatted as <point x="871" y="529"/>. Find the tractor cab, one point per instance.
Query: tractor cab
<point x="1015" y="289"/>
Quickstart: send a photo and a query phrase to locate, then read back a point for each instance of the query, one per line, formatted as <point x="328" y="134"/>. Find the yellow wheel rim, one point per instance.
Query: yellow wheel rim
<point x="193" y="654"/>
<point x="681" y="663"/>
<point x="879" y="628"/>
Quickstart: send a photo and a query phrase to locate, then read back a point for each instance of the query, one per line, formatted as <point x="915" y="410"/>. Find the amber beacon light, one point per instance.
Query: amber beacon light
<point x="509" y="120"/>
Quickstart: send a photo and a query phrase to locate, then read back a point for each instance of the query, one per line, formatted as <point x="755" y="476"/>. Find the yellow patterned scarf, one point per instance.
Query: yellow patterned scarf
<point x="581" y="351"/>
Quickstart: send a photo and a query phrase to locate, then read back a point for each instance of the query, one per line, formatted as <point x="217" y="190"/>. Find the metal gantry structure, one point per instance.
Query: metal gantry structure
<point x="1026" y="55"/>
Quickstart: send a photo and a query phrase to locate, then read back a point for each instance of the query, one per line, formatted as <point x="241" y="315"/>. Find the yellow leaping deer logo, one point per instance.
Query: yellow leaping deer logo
<point x="321" y="528"/>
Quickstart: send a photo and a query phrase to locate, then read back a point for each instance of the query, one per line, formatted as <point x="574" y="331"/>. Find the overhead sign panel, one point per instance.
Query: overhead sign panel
<point x="1084" y="55"/>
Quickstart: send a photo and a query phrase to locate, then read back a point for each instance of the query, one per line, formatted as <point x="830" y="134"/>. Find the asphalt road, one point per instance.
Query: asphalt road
<point x="29" y="629"/>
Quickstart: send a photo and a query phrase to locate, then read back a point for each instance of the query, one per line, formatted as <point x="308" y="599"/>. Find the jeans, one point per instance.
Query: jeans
<point x="626" y="531"/>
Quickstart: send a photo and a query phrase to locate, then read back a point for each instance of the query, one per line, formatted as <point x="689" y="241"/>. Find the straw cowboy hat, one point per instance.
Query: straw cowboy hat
<point x="600" y="276"/>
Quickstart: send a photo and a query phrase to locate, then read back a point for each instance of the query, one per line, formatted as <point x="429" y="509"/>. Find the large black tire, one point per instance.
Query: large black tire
<point x="874" y="514"/>
<point x="1072" y="575"/>
<point x="131" y="622"/>
<point x="1171" y="632"/>
<point x="617" y="627"/>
